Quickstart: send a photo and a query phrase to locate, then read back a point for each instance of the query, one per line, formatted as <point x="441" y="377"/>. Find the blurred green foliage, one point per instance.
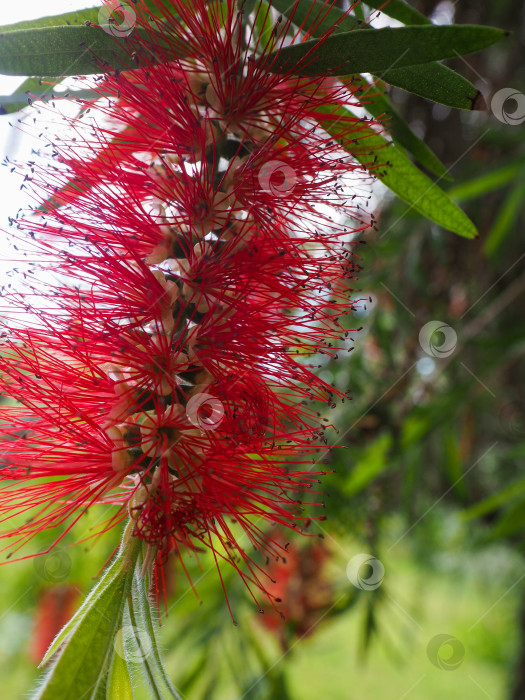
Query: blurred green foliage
<point x="430" y="480"/>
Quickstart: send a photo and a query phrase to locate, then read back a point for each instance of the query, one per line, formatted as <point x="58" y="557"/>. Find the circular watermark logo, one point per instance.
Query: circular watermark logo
<point x="438" y="339"/>
<point x="54" y="566"/>
<point x="365" y="572"/>
<point x="133" y="643"/>
<point x="508" y="105"/>
<point x="277" y="178"/>
<point x="113" y="10"/>
<point x="445" y="652"/>
<point x="205" y="411"/>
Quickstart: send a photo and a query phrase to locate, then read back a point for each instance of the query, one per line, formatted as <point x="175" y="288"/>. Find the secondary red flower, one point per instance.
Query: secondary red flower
<point x="193" y="251"/>
<point x="55" y="606"/>
<point x="305" y="593"/>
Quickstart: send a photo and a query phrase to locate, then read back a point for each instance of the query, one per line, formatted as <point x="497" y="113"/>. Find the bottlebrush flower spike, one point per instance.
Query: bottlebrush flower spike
<point x="192" y="254"/>
<point x="55" y="606"/>
<point x="304" y="592"/>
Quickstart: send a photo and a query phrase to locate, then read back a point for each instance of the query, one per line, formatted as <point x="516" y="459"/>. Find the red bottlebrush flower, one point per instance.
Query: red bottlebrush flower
<point x="304" y="594"/>
<point x="193" y="250"/>
<point x="55" y="606"/>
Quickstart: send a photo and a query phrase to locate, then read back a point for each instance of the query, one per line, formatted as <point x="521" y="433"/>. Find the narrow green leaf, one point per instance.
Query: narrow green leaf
<point x="109" y="650"/>
<point x="399" y="174"/>
<point x="83" y="651"/>
<point x="20" y="100"/>
<point x="35" y="85"/>
<point x="119" y="685"/>
<point x="438" y="83"/>
<point x="479" y="186"/>
<point x="264" y="23"/>
<point x="30" y="86"/>
<point x="153" y="7"/>
<point x="35" y="89"/>
<point x="112" y="574"/>
<point x="432" y="81"/>
<point x="404" y="136"/>
<point x="314" y="18"/>
<point x="398" y="9"/>
<point x="61" y="51"/>
<point x="383" y="49"/>
<point x="453" y="463"/>
<point x="379" y="106"/>
<point x="76" y="18"/>
<point x="372" y="462"/>
<point x="141" y="618"/>
<point x="496" y="500"/>
<point x="505" y="219"/>
<point x="9" y="106"/>
<point x="83" y="662"/>
<point x="67" y="19"/>
<point x="512" y="522"/>
<point x="413" y="431"/>
<point x="359" y="12"/>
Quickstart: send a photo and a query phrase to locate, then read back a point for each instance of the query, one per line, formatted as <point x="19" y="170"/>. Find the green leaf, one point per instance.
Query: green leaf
<point x="438" y="83"/>
<point x="453" y="464"/>
<point x="413" y="430"/>
<point x="141" y="620"/>
<point x="314" y="18"/>
<point x="432" y="81"/>
<point x="112" y="574"/>
<point x="76" y="18"/>
<point x="21" y="97"/>
<point x="119" y="683"/>
<point x="39" y="89"/>
<point x="61" y="51"/>
<point x="68" y="18"/>
<point x="109" y="648"/>
<point x="506" y="218"/>
<point x="9" y="105"/>
<point x="35" y="85"/>
<point x="372" y="462"/>
<point x="494" y="501"/>
<point x="84" y="649"/>
<point x="384" y="49"/>
<point x="398" y="9"/>
<point x="264" y="24"/>
<point x="512" y="522"/>
<point x="83" y="663"/>
<point x="479" y="186"/>
<point x="380" y="106"/>
<point x="399" y="174"/>
<point x="20" y="100"/>
<point x="403" y="135"/>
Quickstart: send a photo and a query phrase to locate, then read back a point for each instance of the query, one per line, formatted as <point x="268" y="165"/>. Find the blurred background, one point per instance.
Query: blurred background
<point x="416" y="589"/>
